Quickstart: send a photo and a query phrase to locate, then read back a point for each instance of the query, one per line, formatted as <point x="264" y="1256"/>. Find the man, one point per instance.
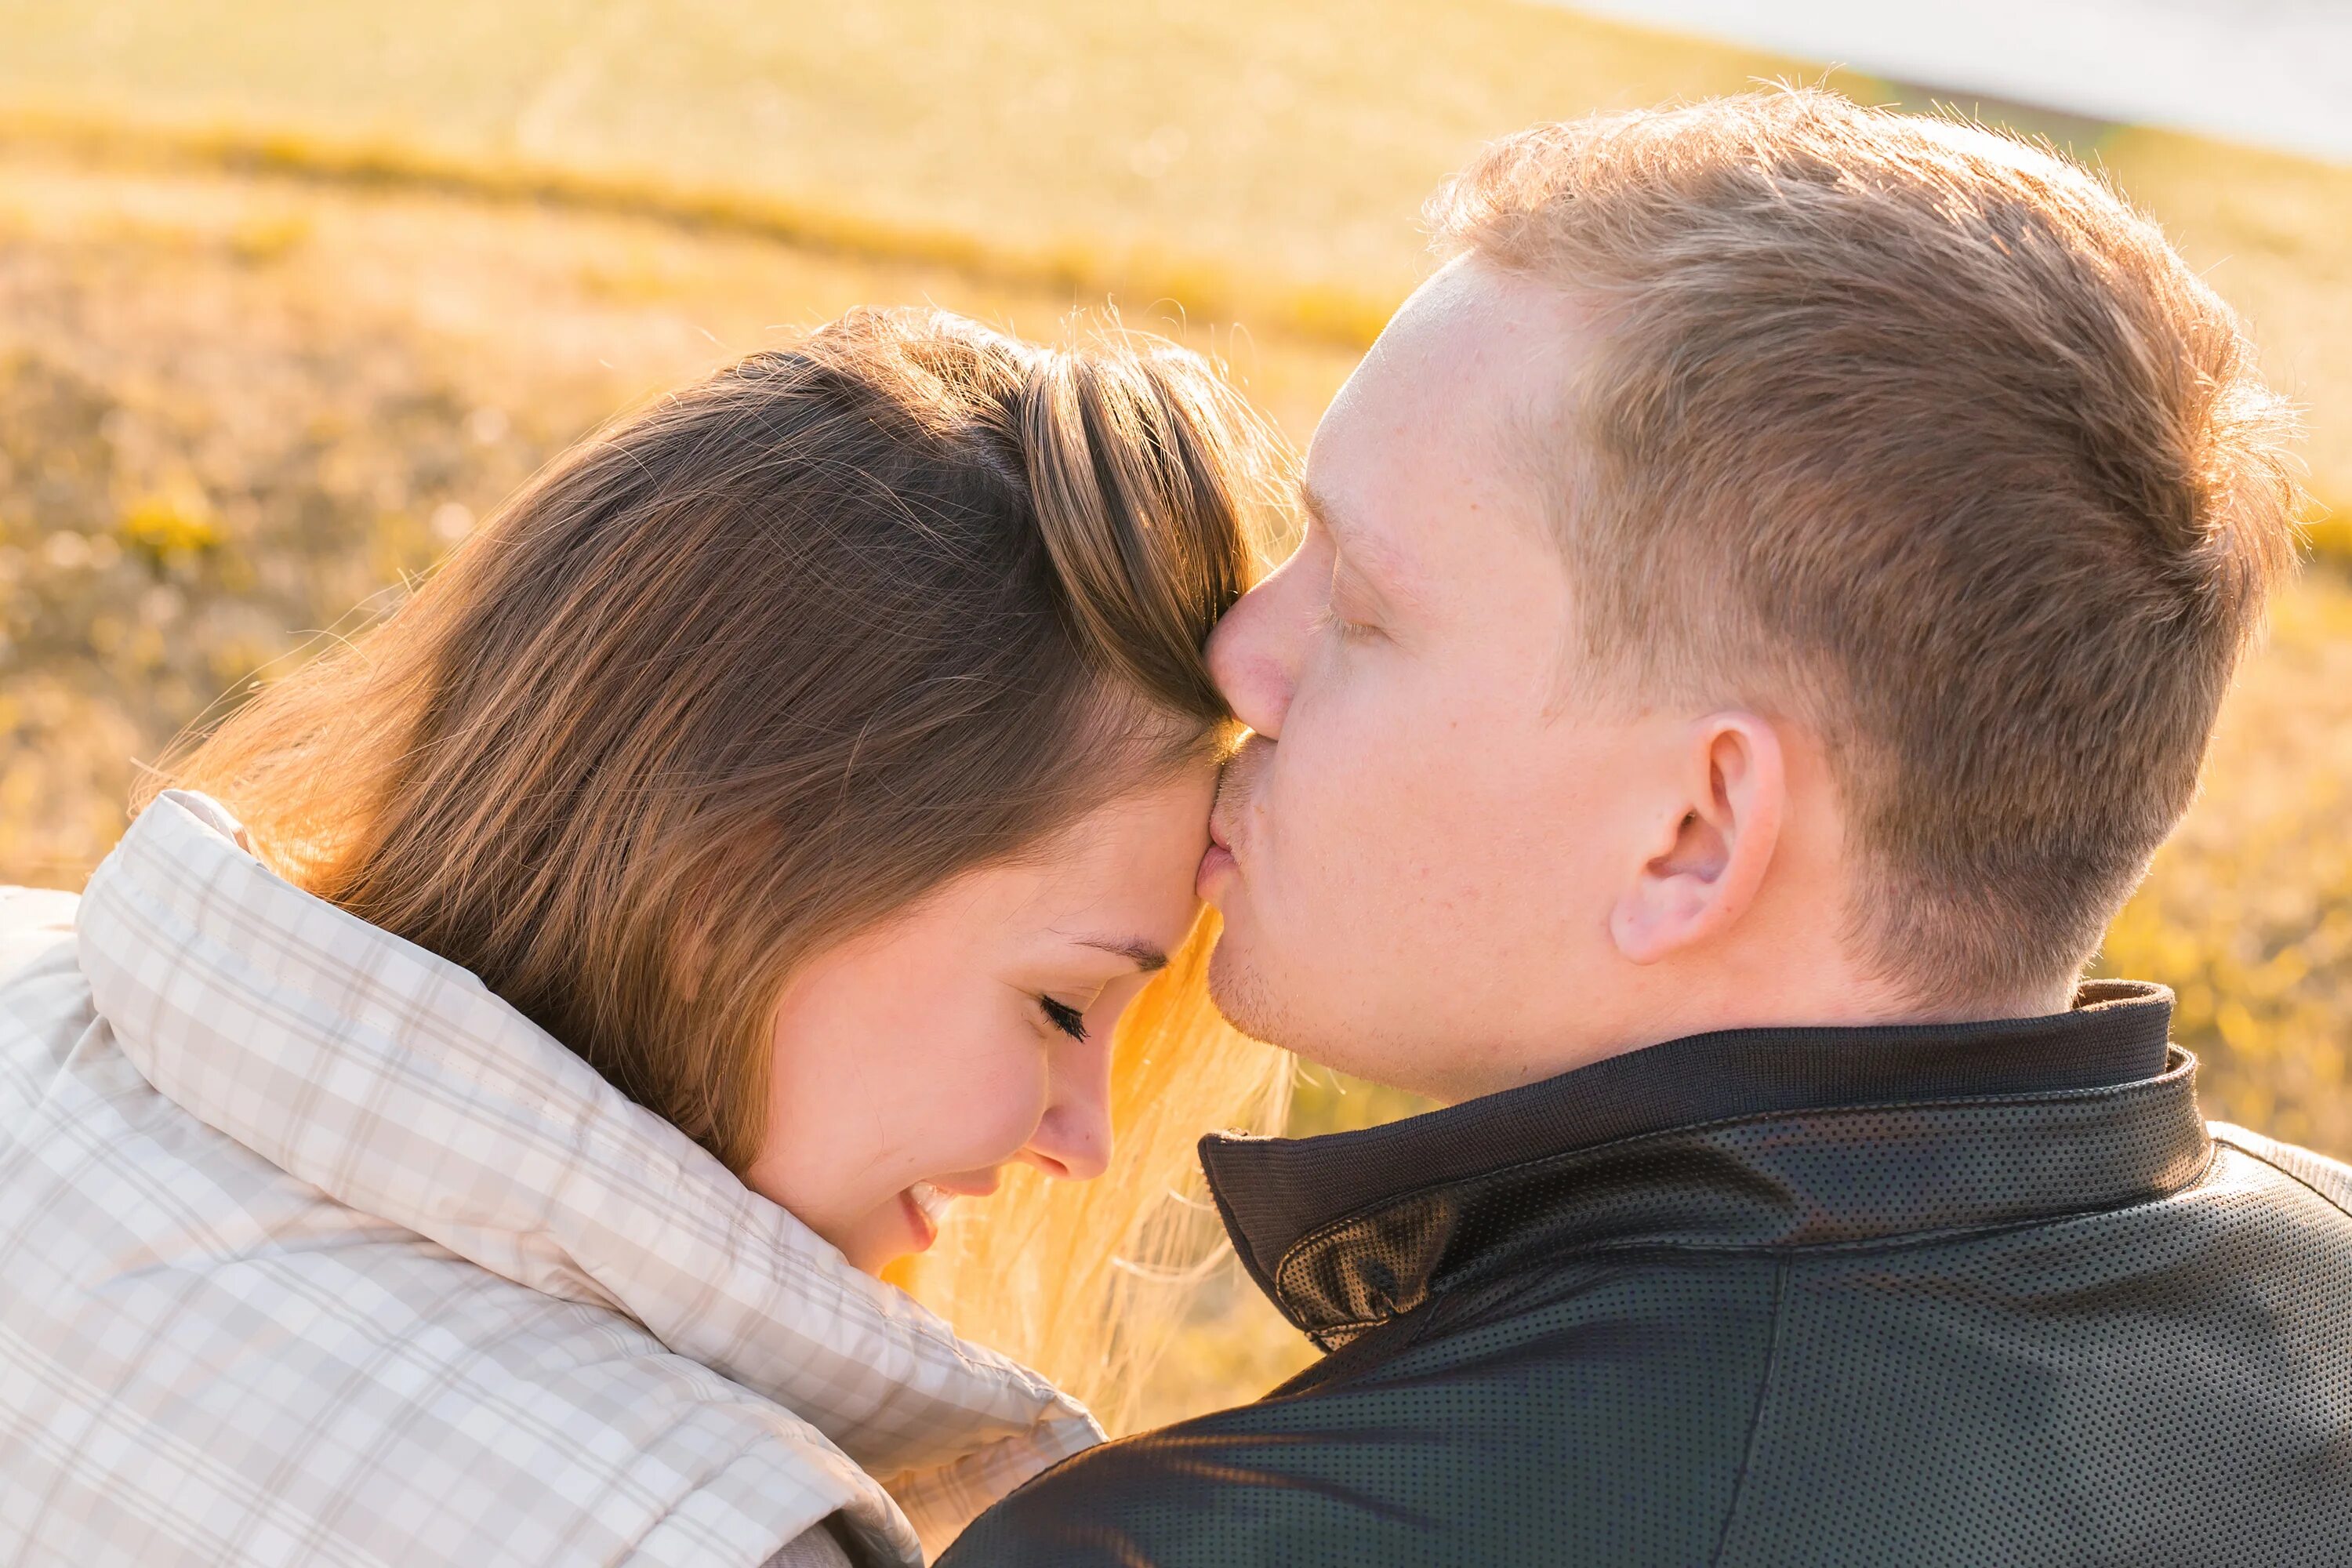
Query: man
<point x="1764" y="601"/>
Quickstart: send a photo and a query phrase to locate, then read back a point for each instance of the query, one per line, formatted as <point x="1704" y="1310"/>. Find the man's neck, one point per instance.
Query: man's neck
<point x="1836" y="996"/>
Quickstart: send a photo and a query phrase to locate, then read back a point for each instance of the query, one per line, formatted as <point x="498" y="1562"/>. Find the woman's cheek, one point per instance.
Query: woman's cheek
<point x="992" y="1108"/>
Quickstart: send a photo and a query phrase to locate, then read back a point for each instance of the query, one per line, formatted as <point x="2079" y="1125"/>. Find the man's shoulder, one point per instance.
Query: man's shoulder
<point x="1679" y="1404"/>
<point x="2329" y="1180"/>
<point x="1601" y="1411"/>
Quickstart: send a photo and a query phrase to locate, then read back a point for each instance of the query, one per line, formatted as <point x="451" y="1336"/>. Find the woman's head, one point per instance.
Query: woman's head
<point x="822" y="752"/>
<point x="972" y="1032"/>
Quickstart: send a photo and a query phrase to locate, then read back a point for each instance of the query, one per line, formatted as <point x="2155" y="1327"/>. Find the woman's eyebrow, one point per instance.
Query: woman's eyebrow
<point x="1148" y="957"/>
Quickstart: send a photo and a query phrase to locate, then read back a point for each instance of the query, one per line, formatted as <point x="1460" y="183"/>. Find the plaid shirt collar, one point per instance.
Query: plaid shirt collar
<point x="402" y="1088"/>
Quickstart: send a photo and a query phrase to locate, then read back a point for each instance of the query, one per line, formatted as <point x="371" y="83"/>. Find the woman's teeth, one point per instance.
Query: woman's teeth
<point x="933" y="1201"/>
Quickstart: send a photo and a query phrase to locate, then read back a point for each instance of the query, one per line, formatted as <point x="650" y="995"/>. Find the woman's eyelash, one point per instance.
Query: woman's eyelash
<point x="1067" y="1019"/>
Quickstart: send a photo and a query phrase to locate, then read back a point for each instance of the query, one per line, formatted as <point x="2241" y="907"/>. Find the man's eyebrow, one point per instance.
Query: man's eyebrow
<point x="1391" y="575"/>
<point x="1148" y="957"/>
<point x="1318" y="510"/>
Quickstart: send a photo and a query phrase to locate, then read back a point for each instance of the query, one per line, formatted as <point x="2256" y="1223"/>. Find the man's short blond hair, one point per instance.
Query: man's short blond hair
<point x="1920" y="435"/>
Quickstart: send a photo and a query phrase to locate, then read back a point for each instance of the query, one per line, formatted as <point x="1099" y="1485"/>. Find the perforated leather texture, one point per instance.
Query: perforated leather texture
<point x="1890" y="1297"/>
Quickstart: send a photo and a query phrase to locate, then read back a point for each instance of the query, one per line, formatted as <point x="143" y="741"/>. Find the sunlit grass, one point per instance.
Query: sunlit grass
<point x="210" y="447"/>
<point x="1242" y="160"/>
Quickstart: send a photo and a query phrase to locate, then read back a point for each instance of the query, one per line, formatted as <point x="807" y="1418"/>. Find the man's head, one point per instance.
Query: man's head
<point x="1782" y="569"/>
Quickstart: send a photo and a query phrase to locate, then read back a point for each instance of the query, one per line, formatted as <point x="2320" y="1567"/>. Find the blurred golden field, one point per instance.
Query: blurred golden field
<point x="290" y="295"/>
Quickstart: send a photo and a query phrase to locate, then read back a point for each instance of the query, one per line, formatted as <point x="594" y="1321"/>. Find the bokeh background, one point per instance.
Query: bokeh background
<point x="292" y="292"/>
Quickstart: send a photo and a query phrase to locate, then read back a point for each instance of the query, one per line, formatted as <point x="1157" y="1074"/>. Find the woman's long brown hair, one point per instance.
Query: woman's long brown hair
<point x="754" y="668"/>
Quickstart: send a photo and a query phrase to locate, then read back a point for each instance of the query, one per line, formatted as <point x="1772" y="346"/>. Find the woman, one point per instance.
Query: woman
<point x="462" y="1119"/>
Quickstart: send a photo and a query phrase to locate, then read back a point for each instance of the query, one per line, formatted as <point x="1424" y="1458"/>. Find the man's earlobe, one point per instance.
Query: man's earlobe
<point x="1718" y="823"/>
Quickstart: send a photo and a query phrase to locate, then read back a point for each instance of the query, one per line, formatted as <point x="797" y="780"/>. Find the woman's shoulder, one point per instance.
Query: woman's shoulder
<point x="43" y="1001"/>
<point x="405" y="1222"/>
<point x="267" y="1360"/>
<point x="32" y="921"/>
<point x="272" y="1346"/>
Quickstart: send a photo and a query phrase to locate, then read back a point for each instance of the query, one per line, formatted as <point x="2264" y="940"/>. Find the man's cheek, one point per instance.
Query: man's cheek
<point x="1358" y="760"/>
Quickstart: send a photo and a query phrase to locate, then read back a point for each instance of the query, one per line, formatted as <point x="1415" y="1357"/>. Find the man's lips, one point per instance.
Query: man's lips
<point x="1218" y="858"/>
<point x="1216" y="861"/>
<point x="1226" y="805"/>
<point x="1227" y="811"/>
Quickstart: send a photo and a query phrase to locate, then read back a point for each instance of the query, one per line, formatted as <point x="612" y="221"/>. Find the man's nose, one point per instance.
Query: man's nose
<point x="1253" y="653"/>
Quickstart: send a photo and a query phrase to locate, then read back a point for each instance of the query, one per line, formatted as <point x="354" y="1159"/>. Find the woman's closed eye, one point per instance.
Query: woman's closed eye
<point x="1063" y="1016"/>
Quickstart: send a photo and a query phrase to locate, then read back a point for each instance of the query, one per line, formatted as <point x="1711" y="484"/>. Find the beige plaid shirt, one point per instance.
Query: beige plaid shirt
<point x="314" y="1251"/>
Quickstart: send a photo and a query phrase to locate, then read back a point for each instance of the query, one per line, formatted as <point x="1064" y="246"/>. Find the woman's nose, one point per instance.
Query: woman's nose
<point x="1074" y="1138"/>
<point x="1254" y="652"/>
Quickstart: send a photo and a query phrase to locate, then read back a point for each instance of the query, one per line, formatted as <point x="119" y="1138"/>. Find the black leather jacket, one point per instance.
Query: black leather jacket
<point x="1987" y="1294"/>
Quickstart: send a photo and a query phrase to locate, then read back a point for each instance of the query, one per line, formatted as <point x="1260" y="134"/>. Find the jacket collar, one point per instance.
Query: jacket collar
<point x="1744" y="1138"/>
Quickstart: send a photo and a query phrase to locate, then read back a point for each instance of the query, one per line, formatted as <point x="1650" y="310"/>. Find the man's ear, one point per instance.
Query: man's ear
<point x="1717" y="826"/>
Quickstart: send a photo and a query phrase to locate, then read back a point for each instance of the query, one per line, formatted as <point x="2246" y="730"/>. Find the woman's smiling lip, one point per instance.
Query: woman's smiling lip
<point x="918" y="1220"/>
<point x="967" y="1184"/>
<point x="926" y="1204"/>
<point x="931" y="1202"/>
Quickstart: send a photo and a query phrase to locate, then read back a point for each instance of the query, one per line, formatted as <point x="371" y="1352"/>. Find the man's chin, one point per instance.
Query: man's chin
<point x="1277" y="1011"/>
<point x="1241" y="993"/>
